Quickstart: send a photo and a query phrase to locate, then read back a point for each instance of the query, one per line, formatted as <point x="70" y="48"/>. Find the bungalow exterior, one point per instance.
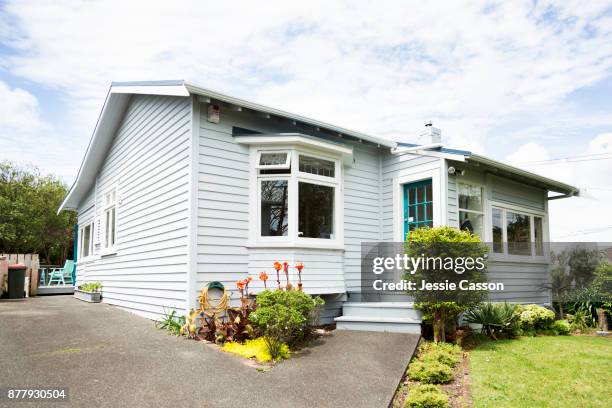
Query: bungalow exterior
<point x="181" y="186"/>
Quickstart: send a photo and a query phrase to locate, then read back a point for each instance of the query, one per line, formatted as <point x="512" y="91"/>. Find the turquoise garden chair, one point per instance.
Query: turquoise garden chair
<point x="61" y="275"/>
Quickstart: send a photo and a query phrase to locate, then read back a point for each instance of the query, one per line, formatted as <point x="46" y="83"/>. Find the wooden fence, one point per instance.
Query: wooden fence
<point x="29" y="260"/>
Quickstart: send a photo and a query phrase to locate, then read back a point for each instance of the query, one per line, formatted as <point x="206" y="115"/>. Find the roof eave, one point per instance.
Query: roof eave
<point x="277" y="112"/>
<point x="552" y="185"/>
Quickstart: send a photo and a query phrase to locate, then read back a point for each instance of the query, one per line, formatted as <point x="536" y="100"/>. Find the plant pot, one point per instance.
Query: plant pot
<point x="91" y="297"/>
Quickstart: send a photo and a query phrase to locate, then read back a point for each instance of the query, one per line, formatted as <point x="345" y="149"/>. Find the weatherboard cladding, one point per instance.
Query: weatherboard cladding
<point x="148" y="163"/>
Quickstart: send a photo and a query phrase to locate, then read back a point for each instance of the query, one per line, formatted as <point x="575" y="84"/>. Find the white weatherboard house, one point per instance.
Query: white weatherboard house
<point x="181" y="186"/>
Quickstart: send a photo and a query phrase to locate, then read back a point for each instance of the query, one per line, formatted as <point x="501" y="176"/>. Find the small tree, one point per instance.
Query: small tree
<point x="445" y="245"/>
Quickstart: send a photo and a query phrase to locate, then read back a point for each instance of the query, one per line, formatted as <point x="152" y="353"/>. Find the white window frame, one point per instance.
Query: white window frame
<point x="483" y="200"/>
<point x="81" y="248"/>
<point x="106" y="208"/>
<point x="292" y="239"/>
<point x="505" y="256"/>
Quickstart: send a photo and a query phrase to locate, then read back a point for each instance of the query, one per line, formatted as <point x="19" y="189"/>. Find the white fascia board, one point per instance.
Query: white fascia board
<point x="294" y="139"/>
<point x="277" y="112"/>
<point x="552" y="185"/>
<point x="175" y="90"/>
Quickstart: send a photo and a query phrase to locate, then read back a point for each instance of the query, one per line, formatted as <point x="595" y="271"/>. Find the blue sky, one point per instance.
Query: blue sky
<point x="520" y="82"/>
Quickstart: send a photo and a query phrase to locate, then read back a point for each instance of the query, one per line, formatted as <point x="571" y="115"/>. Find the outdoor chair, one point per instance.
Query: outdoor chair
<point x="61" y="275"/>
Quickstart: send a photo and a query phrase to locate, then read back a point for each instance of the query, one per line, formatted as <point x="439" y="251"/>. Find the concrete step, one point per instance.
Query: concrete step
<point x="397" y="317"/>
<point x="381" y="309"/>
<point x="379" y="324"/>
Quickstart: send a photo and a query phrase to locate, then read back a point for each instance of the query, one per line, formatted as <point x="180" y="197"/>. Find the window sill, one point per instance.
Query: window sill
<point x="519" y="259"/>
<point x="297" y="245"/>
<point x="108" y="252"/>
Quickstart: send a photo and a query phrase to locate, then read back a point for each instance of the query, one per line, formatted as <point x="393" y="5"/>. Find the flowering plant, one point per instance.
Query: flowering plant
<point x="263" y="276"/>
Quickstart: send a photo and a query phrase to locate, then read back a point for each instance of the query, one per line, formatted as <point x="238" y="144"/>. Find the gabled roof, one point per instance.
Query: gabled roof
<point x="119" y="94"/>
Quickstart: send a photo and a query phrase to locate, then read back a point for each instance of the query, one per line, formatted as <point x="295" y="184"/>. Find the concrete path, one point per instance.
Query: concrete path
<point x="107" y="357"/>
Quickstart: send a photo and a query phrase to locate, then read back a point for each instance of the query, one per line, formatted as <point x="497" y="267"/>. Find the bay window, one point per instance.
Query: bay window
<point x="298" y="197"/>
<point x="516" y="232"/>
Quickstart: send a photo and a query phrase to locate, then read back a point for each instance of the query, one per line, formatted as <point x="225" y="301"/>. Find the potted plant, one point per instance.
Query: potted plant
<point x="89" y="292"/>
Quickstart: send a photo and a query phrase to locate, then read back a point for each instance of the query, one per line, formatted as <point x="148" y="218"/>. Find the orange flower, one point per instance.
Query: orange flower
<point x="299" y="266"/>
<point x="263" y="276"/>
<point x="241" y="284"/>
<point x="285" y="266"/>
<point x="249" y="279"/>
<point x="277" y="266"/>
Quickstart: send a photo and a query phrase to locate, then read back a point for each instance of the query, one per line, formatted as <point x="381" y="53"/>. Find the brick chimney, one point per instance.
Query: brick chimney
<point x="429" y="135"/>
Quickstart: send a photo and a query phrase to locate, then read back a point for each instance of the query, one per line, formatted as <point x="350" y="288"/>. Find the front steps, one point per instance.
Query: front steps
<point x="395" y="317"/>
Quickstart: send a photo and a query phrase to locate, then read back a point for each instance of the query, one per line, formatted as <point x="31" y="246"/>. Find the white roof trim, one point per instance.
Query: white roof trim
<point x="277" y="112"/>
<point x="552" y="185"/>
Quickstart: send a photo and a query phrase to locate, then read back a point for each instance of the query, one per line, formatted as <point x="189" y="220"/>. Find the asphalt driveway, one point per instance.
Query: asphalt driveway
<point x="108" y="357"/>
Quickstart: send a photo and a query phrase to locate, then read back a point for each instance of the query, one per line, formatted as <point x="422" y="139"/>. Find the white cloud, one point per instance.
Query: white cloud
<point x="378" y="68"/>
<point x="585" y="218"/>
<point x="18" y="110"/>
<point x="528" y="152"/>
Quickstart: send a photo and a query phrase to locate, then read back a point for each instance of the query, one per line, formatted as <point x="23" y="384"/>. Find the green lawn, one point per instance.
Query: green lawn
<point x="559" y="371"/>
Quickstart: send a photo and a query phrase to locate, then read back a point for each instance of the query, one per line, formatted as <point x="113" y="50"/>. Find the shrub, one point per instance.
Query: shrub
<point x="426" y="396"/>
<point x="445" y="353"/>
<point x="430" y="371"/>
<point x="495" y="318"/>
<point x="442" y="307"/>
<point x="581" y="320"/>
<point x="534" y="318"/>
<point x="561" y="327"/>
<point x="256" y="348"/>
<point x="284" y="317"/>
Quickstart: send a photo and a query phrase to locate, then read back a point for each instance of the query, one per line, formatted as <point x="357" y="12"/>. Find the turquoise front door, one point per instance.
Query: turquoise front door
<point x="418" y="205"/>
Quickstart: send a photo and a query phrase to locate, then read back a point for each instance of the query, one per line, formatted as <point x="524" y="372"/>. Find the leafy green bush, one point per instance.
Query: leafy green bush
<point x="426" y="396"/>
<point x="284" y="317"/>
<point x="561" y="327"/>
<point x="445" y="353"/>
<point x="91" y="287"/>
<point x="581" y="320"/>
<point x="430" y="371"/>
<point x="533" y="318"/>
<point x="443" y="307"/>
<point x="495" y="318"/>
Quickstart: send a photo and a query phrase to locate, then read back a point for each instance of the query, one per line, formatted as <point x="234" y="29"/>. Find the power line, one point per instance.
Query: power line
<point x="577" y="158"/>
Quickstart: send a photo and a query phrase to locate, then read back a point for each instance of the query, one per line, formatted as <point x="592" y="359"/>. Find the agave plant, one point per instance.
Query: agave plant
<point x="495" y="318"/>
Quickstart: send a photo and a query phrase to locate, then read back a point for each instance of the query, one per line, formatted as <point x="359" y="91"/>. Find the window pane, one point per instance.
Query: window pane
<point x="471" y="222"/>
<point x="274" y="208"/>
<point x="411" y="196"/>
<point x="86" y="240"/>
<point x="106" y="229"/>
<point x="539" y="240"/>
<point x="317" y="166"/>
<point x="429" y="195"/>
<point x="272" y="159"/>
<point x="421" y="194"/>
<point x="112" y="227"/>
<point x="429" y="211"/>
<point x="498" y="231"/>
<point x="519" y="233"/>
<point x="470" y="197"/>
<point x="316" y="211"/>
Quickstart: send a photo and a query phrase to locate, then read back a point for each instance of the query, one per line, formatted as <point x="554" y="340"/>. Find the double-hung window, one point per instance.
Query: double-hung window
<point x="471" y="208"/>
<point x="110" y="219"/>
<point x="517" y="232"/>
<point x="86" y="238"/>
<point x="298" y="196"/>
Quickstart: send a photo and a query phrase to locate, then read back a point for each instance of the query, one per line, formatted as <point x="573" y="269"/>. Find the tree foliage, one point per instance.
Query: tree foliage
<point x="29" y="222"/>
